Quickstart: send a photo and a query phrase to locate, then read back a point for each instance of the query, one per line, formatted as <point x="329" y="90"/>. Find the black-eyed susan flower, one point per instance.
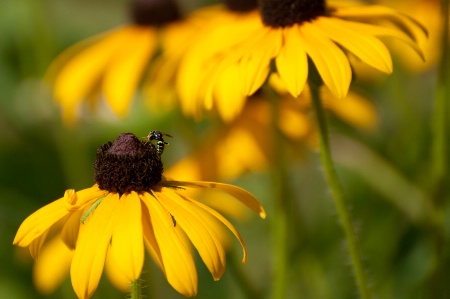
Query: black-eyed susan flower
<point x="112" y="64"/>
<point x="132" y="205"/>
<point x="233" y="59"/>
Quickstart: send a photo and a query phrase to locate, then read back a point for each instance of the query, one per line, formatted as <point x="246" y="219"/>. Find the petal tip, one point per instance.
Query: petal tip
<point x="262" y="213"/>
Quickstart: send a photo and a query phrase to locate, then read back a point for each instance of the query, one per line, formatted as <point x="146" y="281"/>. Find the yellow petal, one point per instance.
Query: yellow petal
<point x="294" y="123"/>
<point x="331" y="63"/>
<point x="93" y="242"/>
<point x="36" y="245"/>
<point x="354" y="109"/>
<point x="198" y="229"/>
<point x="69" y="232"/>
<point x="190" y="74"/>
<point x="178" y="170"/>
<point x="240" y="194"/>
<point x="292" y="62"/>
<point x="255" y="64"/>
<point x="366" y="47"/>
<point x="128" y="63"/>
<point x="52" y="266"/>
<point x="115" y="276"/>
<point x="83" y="198"/>
<point x="227" y="224"/>
<point x="149" y="236"/>
<point x="233" y="160"/>
<point x="176" y="259"/>
<point x="39" y="222"/>
<point x="368" y="29"/>
<point x="410" y="26"/>
<point x="127" y="244"/>
<point x="81" y="73"/>
<point x="229" y="97"/>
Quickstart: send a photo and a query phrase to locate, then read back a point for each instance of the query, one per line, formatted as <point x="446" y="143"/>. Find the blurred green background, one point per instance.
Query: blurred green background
<point x="385" y="173"/>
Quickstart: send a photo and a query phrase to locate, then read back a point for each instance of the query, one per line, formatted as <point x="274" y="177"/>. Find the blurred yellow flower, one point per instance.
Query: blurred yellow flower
<point x="245" y="144"/>
<point x="232" y="59"/>
<point x="132" y="204"/>
<point x="112" y="64"/>
<point x="176" y="38"/>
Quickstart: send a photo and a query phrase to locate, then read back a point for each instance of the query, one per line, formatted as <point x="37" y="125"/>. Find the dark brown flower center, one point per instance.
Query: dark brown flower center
<point x="154" y="12"/>
<point x="284" y="13"/>
<point x="241" y="5"/>
<point x="127" y="164"/>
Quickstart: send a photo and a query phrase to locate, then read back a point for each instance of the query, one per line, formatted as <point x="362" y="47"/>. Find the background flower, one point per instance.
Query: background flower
<point x="113" y="63"/>
<point x="237" y="51"/>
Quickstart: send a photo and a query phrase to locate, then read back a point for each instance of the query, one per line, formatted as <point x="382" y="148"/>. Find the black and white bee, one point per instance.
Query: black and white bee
<point x="160" y="143"/>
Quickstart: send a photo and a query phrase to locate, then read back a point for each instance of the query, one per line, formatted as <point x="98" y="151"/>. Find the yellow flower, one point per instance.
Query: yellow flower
<point x="233" y="58"/>
<point x="130" y="205"/>
<point x="112" y="64"/>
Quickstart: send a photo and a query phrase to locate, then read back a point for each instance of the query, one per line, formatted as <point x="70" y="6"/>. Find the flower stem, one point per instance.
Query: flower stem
<point x="338" y="195"/>
<point x="136" y="289"/>
<point x="440" y="145"/>
<point x="280" y="209"/>
<point x="440" y="159"/>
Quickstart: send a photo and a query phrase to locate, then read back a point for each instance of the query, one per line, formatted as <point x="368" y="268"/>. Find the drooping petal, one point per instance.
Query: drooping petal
<point x="367" y="29"/>
<point x="292" y="62"/>
<point x="127" y="244"/>
<point x="52" y="266"/>
<point x="128" y="63"/>
<point x="408" y="25"/>
<point x="39" y="222"/>
<point x="227" y="223"/>
<point x="331" y="63"/>
<point x="176" y="259"/>
<point x="366" y="47"/>
<point x="93" y="242"/>
<point x="201" y="232"/>
<point x="240" y="194"/>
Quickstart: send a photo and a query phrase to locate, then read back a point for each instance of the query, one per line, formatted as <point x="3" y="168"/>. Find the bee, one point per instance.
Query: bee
<point x="160" y="143"/>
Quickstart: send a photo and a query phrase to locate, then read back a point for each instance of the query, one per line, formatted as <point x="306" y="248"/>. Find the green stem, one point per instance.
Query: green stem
<point x="440" y="145"/>
<point x="440" y="160"/>
<point x="280" y="209"/>
<point x="136" y="289"/>
<point x="338" y="196"/>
